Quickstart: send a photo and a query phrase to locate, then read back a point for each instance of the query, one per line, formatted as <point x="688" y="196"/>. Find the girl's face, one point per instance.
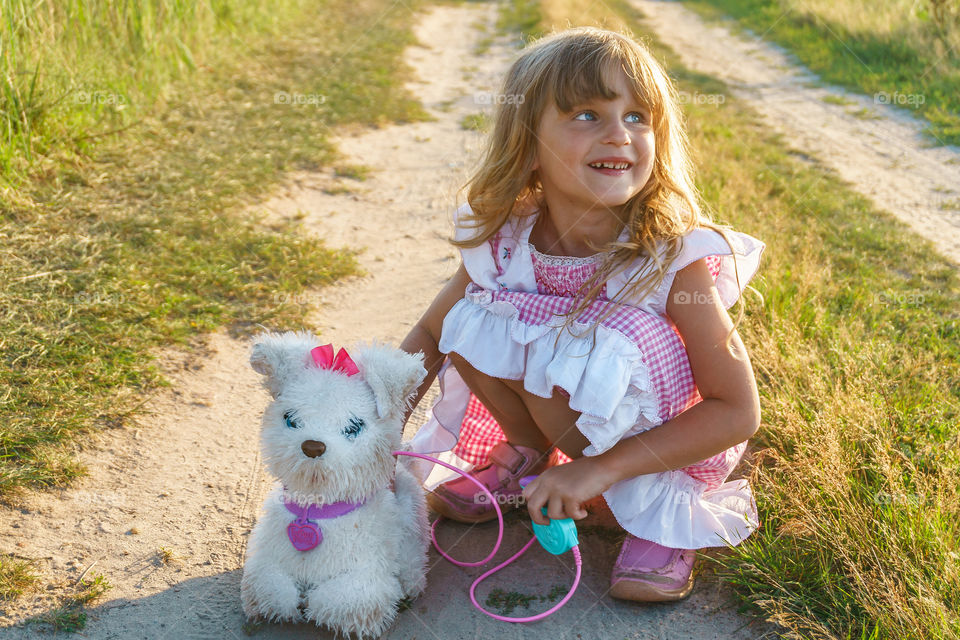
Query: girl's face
<point x="571" y="147"/>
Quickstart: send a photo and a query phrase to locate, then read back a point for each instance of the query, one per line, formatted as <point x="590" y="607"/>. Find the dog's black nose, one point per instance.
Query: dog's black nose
<point x="313" y="448"/>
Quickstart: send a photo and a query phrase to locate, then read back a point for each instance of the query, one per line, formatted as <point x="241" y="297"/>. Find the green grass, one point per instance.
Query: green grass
<point x="895" y="52"/>
<point x="505" y="602"/>
<point x="16" y="577"/>
<point x="839" y="100"/>
<point x="70" y="615"/>
<point x="132" y="241"/>
<point x="475" y="121"/>
<point x="856" y="349"/>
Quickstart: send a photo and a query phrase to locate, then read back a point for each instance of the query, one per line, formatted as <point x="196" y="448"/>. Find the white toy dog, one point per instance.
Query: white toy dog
<point x="345" y="536"/>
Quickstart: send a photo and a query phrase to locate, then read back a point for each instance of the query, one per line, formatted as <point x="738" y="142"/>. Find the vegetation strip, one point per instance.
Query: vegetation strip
<point x="856" y="347"/>
<point x="902" y="53"/>
<point x="126" y="242"/>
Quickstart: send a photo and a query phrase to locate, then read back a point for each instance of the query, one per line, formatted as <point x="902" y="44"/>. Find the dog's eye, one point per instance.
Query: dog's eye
<point x="290" y="421"/>
<point x="353" y="429"/>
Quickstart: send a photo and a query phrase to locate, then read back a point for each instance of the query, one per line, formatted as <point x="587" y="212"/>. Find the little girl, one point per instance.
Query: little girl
<point x="585" y="336"/>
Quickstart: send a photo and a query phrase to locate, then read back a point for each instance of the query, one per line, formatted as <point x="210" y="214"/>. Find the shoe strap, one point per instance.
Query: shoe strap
<point x="509" y="458"/>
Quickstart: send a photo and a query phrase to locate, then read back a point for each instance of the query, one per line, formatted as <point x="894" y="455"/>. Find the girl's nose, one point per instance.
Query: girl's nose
<point x="616" y="133"/>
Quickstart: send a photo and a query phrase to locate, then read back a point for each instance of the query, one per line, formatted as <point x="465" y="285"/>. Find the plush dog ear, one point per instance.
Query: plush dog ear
<point x="392" y="374"/>
<point x="277" y="356"/>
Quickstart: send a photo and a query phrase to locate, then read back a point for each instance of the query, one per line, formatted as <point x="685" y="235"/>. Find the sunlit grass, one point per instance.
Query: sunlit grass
<point x="897" y="51"/>
<point x="131" y="241"/>
<point x="16" y="577"/>
<point x="856" y="348"/>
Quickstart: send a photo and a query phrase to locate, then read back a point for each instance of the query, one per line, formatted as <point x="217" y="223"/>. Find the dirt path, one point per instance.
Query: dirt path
<point x="881" y="152"/>
<point x="165" y="509"/>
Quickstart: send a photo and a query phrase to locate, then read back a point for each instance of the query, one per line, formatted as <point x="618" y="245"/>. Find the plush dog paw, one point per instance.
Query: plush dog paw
<point x="413" y="581"/>
<point x="273" y="597"/>
<point x="342" y="606"/>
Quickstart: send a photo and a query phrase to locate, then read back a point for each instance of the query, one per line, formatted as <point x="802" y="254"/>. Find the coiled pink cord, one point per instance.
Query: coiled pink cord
<point x="496" y="547"/>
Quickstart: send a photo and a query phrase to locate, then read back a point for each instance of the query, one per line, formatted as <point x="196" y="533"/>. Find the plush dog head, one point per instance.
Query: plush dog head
<point x="335" y="419"/>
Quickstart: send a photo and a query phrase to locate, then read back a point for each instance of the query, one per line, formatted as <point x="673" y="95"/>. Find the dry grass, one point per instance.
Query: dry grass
<point x="135" y="240"/>
<point x="856" y="348"/>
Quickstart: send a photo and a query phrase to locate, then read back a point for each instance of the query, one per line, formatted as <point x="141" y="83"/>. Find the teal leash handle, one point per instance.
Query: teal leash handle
<point x="559" y="536"/>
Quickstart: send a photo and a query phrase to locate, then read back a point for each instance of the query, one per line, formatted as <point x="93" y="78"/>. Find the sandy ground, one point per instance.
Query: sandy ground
<point x="186" y="485"/>
<point x="165" y="510"/>
<point x="880" y="152"/>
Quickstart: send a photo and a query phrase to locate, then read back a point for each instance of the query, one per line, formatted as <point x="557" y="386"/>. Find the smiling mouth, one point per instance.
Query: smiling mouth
<point x="611" y="168"/>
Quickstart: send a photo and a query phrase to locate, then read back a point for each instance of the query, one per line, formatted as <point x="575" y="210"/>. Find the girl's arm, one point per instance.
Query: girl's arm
<point x="728" y="414"/>
<point x="730" y="411"/>
<point x="425" y="335"/>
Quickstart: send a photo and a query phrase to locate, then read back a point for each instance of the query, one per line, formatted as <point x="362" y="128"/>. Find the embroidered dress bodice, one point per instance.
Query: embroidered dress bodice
<point x="564" y="275"/>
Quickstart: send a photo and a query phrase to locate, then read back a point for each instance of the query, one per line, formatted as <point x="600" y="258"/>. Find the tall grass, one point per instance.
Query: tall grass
<point x="71" y="70"/>
<point x="856" y="348"/>
<point x="123" y="243"/>
<point x="898" y="51"/>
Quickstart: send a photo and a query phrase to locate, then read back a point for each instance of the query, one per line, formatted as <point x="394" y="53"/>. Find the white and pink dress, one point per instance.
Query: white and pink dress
<point x="635" y="377"/>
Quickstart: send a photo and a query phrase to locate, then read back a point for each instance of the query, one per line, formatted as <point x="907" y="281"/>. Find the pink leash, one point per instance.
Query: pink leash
<point x="496" y="547"/>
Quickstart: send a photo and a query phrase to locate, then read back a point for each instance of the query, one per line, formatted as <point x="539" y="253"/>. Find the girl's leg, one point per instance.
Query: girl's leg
<point x="527" y="420"/>
<point x="531" y="425"/>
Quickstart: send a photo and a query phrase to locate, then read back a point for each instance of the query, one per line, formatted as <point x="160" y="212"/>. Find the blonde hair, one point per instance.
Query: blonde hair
<point x="568" y="67"/>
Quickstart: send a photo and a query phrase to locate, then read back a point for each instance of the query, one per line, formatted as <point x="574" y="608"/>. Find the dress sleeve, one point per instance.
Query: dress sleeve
<point x="731" y="271"/>
<point x="479" y="261"/>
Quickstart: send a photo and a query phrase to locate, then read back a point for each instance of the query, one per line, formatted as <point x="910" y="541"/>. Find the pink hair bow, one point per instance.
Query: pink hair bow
<point x="323" y="358"/>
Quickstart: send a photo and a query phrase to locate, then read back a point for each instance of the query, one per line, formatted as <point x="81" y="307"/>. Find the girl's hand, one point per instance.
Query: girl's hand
<point x="563" y="490"/>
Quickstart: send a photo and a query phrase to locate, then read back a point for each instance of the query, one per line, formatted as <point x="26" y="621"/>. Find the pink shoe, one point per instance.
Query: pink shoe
<point x="461" y="500"/>
<point x="648" y="572"/>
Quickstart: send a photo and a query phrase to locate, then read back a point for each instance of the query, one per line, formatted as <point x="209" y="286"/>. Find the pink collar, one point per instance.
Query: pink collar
<point x="304" y="534"/>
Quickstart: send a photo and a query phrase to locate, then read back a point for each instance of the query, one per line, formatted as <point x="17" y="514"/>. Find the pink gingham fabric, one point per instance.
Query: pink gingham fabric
<point x="557" y="278"/>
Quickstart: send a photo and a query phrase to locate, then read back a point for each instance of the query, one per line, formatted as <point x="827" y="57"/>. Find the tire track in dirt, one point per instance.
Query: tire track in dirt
<point x="881" y="153"/>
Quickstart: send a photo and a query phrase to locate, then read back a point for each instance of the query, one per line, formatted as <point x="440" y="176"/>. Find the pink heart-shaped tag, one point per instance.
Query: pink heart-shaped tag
<point x="304" y="536"/>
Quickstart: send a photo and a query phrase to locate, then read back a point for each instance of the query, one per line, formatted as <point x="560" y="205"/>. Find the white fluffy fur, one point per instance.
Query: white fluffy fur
<point x="370" y="558"/>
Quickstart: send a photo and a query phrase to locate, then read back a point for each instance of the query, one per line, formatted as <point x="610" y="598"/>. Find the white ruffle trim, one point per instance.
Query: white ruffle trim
<point x="675" y="510"/>
<point x="608" y="383"/>
<point x="611" y="387"/>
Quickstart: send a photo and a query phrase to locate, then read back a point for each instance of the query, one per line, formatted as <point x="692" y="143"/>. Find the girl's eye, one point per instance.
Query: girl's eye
<point x="290" y="421"/>
<point x="353" y="429"/>
<point x="640" y="117"/>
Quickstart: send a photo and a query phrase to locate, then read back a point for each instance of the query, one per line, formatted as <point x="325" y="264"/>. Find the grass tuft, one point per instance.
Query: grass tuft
<point x="70" y="615"/>
<point x="16" y="577"/>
